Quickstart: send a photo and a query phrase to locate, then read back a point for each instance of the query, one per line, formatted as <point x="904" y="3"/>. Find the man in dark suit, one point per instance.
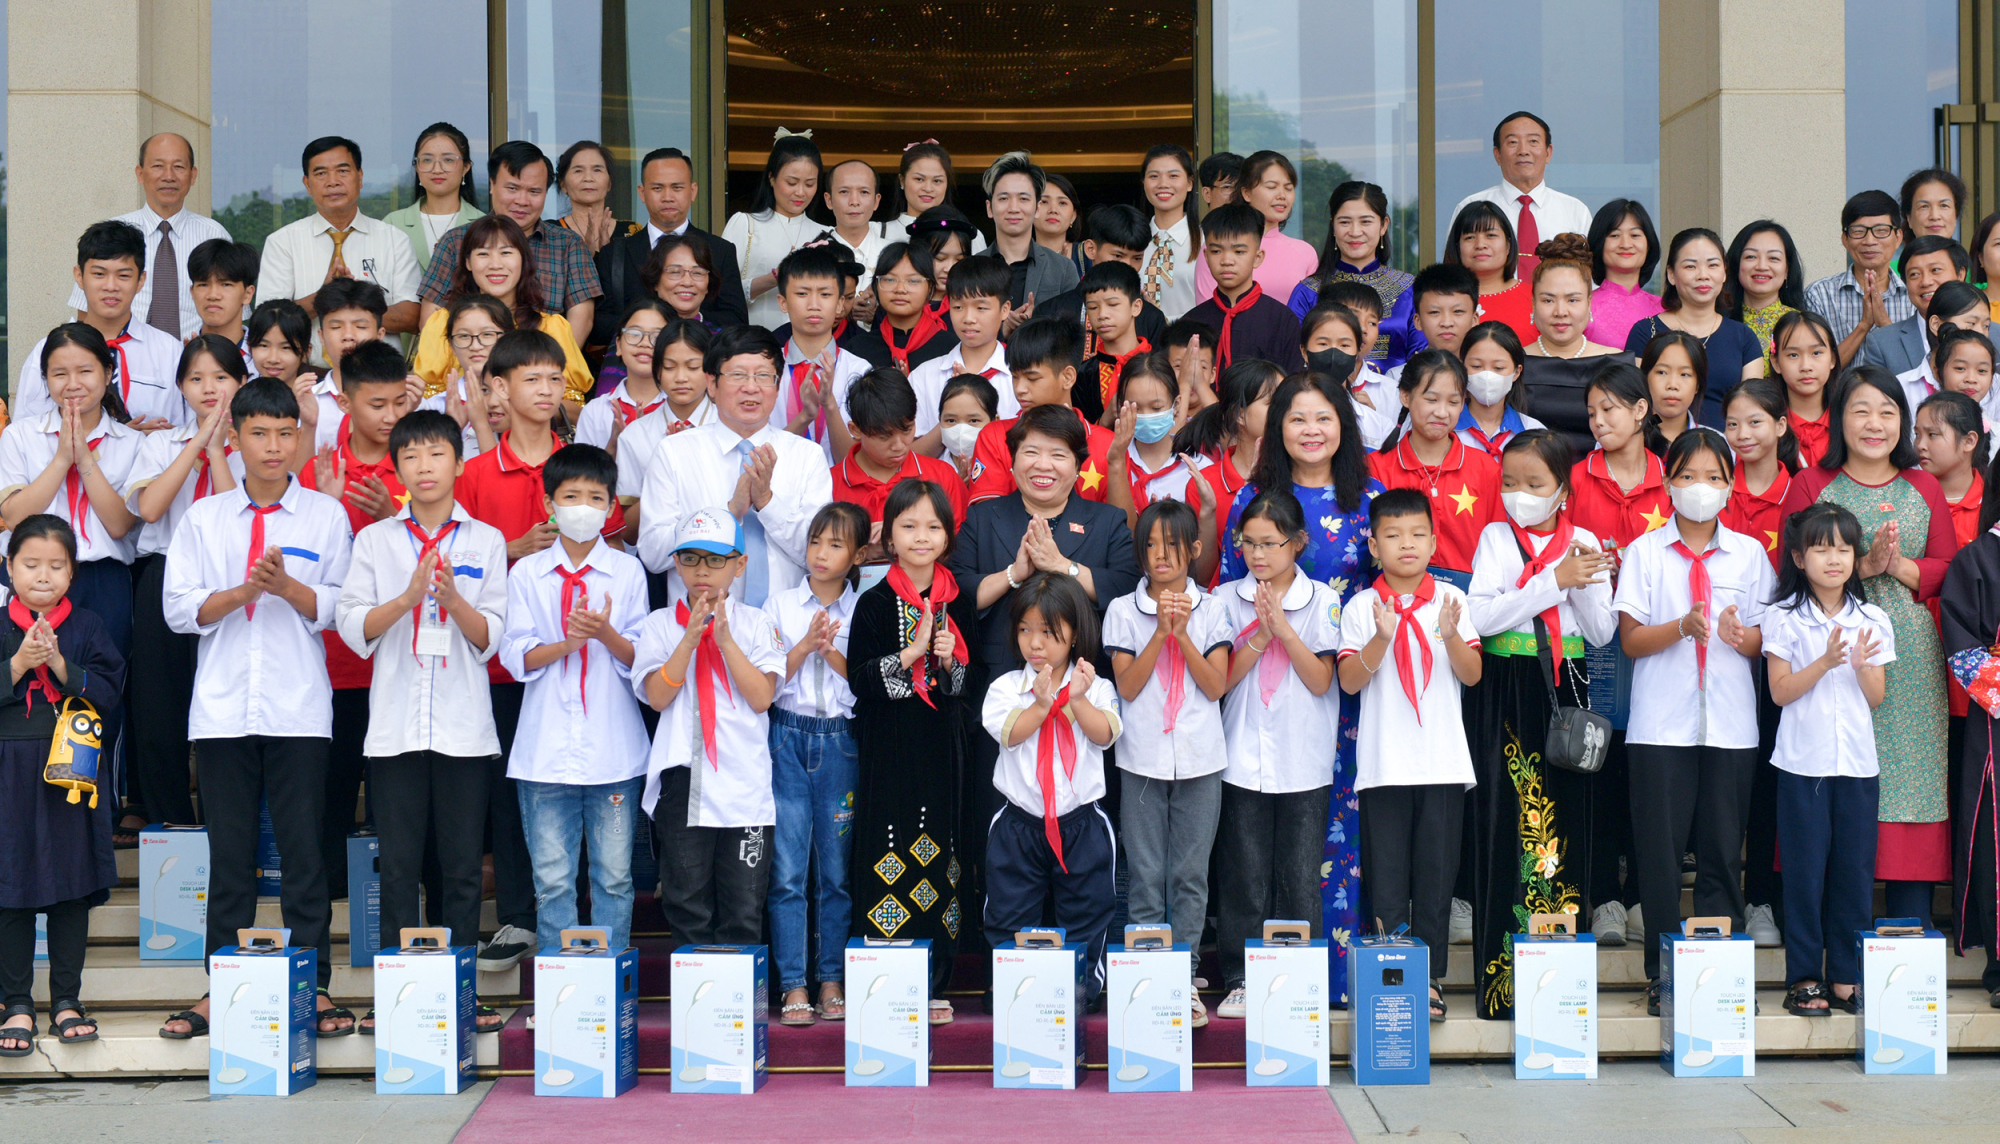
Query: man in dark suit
<point x="1928" y="262"/>
<point x="667" y="187"/>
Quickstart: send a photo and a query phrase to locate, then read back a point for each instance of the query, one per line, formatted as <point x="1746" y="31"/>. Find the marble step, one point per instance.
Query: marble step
<point x="117" y="921"/>
<point x="129" y="1045"/>
<point x="1625" y="967"/>
<point x="115" y="978"/>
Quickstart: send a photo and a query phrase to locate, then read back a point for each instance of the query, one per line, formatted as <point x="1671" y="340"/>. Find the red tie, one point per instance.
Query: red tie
<point x="257" y="514"/>
<point x="1171" y="670"/>
<point x="631" y="412"/>
<point x="810" y="370"/>
<point x="1533" y="566"/>
<point x="1056" y="736"/>
<point x="1270" y="668"/>
<point x="1407" y="630"/>
<point x="1229" y="313"/>
<point x="427" y="545"/>
<point x="1527" y="236"/>
<point x="1494" y="448"/>
<point x="1700" y="591"/>
<point x="78" y="498"/>
<point x="202" y="485"/>
<point x="24" y="619"/>
<point x="1107" y="382"/>
<point x="572" y="583"/>
<point x="708" y="671"/>
<point x="124" y="370"/>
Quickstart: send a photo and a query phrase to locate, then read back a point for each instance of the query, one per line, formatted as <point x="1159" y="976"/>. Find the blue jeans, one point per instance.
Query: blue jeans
<point x="557" y="817"/>
<point x="814" y="771"/>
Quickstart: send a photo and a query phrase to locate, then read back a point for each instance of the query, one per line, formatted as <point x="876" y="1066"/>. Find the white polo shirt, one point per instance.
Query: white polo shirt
<point x="930" y="378"/>
<point x="422" y="702"/>
<point x="735" y="790"/>
<point x="846" y="368"/>
<point x="1669" y="707"/>
<point x="817" y="691"/>
<point x="1286" y="745"/>
<point x="698" y="468"/>
<point x="27" y="448"/>
<point x="600" y="414"/>
<point x="641" y="440"/>
<point x="149" y="389"/>
<point x="158" y="453"/>
<point x="1829" y="732"/>
<point x="579" y="723"/>
<point x="1401" y="745"/>
<point x="1195" y="746"/>
<point x="1014" y="772"/>
<point x="1496" y="605"/>
<point x="1172" y="480"/>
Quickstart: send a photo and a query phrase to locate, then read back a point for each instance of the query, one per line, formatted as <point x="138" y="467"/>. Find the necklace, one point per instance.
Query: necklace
<point x="1546" y="351"/>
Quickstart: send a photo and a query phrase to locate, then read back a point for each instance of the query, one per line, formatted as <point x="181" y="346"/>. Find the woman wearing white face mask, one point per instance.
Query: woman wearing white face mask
<point x="1690" y="597"/>
<point x="1538" y="581"/>
<point x="1494" y="394"/>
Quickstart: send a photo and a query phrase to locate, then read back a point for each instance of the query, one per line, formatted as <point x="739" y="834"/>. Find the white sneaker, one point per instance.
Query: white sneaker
<point x="1233" y="1007"/>
<point x="1461" y="922"/>
<point x="1762" y="927"/>
<point x="1635" y="926"/>
<point x="1607" y="924"/>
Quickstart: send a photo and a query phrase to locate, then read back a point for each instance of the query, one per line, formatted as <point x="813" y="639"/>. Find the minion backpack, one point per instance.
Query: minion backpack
<point x="75" y="750"/>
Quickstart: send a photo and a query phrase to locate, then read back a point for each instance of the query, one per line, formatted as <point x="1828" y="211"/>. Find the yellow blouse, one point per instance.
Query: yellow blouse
<point x="435" y="362"/>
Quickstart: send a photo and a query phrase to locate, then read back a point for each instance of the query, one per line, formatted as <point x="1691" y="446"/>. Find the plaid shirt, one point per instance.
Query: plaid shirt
<point x="568" y="275"/>
<point x="1838" y="299"/>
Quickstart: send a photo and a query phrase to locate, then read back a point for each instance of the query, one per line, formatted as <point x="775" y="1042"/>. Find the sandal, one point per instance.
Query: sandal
<point x="333" y="1013"/>
<point x="1993" y="999"/>
<point x="832" y="1007"/>
<point x="61" y="1028"/>
<point x="941" y="1012"/>
<point x="197" y="1024"/>
<point x="366" y="1030"/>
<point x="21" y="1037"/>
<point x="797" y="1014"/>
<point x="1653" y="999"/>
<point x="1804" y="991"/>
<point x="125" y="837"/>
<point x="1849" y="1004"/>
<point x="1438" y="1007"/>
<point x="481" y="1013"/>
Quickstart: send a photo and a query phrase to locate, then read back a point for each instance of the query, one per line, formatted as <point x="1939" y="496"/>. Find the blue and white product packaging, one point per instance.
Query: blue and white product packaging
<point x="888" y="1013"/>
<point x="1903" y="980"/>
<point x="364" y="899"/>
<point x="586" y="1016"/>
<point x="1555" y="1000"/>
<point x="263" y="1038"/>
<point x="1037" y="1010"/>
<point x="173" y="893"/>
<point x="425" y="1015"/>
<point x="1708" y="1000"/>
<point x="270" y="878"/>
<point x="41" y="937"/>
<point x="720" y="1023"/>
<point x="1149" y="982"/>
<point x="1389" y="979"/>
<point x="1285" y="1039"/>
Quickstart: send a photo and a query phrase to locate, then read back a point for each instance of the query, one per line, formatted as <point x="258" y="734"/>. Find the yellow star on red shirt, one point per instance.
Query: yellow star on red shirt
<point x="1772" y="544"/>
<point x="1465" y="498"/>
<point x="1090" y="478"/>
<point x="1654" y="518"/>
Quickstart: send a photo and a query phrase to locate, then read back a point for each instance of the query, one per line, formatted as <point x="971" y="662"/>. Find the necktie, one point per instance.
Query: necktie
<point x="1229" y="313"/>
<point x="756" y="577"/>
<point x="124" y="368"/>
<point x="338" y="267"/>
<point x="708" y="671"/>
<point x="163" y="313"/>
<point x="1108" y="372"/>
<point x="1533" y="566"/>
<point x="630" y="412"/>
<point x="24" y="619"/>
<point x="257" y="514"/>
<point x="1702" y="594"/>
<point x="944" y="589"/>
<point x="1408" y="630"/>
<point x="1527" y="236"/>
<point x="1271" y="663"/>
<point x="203" y="485"/>
<point x="1159" y="268"/>
<point x="78" y="497"/>
<point x="572" y="583"/>
<point x="1171" y="672"/>
<point x="1056" y="736"/>
<point x="812" y="372"/>
<point x="427" y="544"/>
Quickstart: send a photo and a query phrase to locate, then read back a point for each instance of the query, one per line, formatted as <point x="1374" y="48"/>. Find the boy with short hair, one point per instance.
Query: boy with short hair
<point x="222" y="280"/>
<point x="1110" y="232"/>
<point x="882" y="414"/>
<point x="1247" y="323"/>
<point x="977" y="291"/>
<point x="1217" y="175"/>
<point x="1197" y="376"/>
<point x="817" y="371"/>
<point x="110" y="268"/>
<point x="256" y="572"/>
<point x="573" y="609"/>
<point x="708" y="776"/>
<point x="1444" y="304"/>
<point x="1042" y="358"/>
<point x="1111" y="303"/>
<point x="350" y="312"/>
<point x="1413" y="763"/>
<point x="424" y="603"/>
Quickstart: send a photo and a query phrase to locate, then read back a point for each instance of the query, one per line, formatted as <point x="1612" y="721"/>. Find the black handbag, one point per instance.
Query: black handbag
<point x="1578" y="737"/>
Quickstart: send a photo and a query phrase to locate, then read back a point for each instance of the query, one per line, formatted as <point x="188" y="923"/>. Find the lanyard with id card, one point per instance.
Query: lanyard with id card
<point x="433" y="633"/>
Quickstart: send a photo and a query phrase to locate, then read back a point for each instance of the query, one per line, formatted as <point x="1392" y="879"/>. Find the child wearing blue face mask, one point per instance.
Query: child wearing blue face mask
<point x="1141" y="465"/>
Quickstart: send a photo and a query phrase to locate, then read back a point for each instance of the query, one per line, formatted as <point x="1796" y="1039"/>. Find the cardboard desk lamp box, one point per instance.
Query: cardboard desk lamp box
<point x="364" y="899"/>
<point x="1390" y="978"/>
<point x="1285" y="1039"/>
<point x="888" y="1034"/>
<point x="1148" y="985"/>
<point x="1903" y="979"/>
<point x="587" y="1026"/>
<point x="173" y="893"/>
<point x="425" y="1015"/>
<point x="1555" y="1000"/>
<point x="1037" y="1010"/>
<point x="1708" y="1000"/>
<point x="262" y="1038"/>
<point x="719" y="1026"/>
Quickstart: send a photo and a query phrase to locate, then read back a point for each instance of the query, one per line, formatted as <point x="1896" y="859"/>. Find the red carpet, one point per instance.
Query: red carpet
<point x="957" y="1107"/>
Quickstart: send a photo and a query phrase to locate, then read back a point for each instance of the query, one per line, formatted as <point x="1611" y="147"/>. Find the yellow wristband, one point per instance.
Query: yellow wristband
<point x="669" y="680"/>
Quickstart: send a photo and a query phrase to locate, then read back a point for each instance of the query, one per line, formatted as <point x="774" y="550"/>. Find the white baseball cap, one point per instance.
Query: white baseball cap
<point x="710" y="530"/>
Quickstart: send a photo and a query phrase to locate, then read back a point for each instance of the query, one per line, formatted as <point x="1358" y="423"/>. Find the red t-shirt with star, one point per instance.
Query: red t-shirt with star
<point x="343" y="667"/>
<point x="993" y="465"/>
<point x="1760" y="516"/>
<point x="1965" y="524"/>
<point x="1464" y="490"/>
<point x="1613" y="515"/>
<point x="852" y="483"/>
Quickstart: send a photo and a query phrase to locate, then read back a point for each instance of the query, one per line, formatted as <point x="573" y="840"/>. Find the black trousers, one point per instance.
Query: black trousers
<point x="1611" y="832"/>
<point x="1271" y="846"/>
<point x="713" y="880"/>
<point x="1826" y="831"/>
<point x="1410" y="839"/>
<point x="69" y="932"/>
<point x="237" y="776"/>
<point x="1022" y="873"/>
<point x="345" y="769"/>
<point x="158" y="699"/>
<point x="425" y="799"/>
<point x="1763" y="885"/>
<point x="1688" y="798"/>
<point x="513" y="872"/>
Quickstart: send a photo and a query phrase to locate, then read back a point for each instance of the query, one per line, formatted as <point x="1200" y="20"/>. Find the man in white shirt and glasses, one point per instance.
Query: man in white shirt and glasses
<point x="166" y="173"/>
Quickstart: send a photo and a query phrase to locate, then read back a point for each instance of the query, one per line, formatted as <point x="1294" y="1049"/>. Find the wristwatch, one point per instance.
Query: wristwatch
<point x="1074" y="571"/>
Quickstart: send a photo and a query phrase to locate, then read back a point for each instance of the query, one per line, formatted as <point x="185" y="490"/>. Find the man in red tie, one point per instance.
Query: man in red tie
<point x="1522" y="148"/>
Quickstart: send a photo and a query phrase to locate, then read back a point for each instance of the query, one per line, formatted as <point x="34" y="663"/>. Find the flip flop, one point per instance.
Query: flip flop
<point x="197" y="1024"/>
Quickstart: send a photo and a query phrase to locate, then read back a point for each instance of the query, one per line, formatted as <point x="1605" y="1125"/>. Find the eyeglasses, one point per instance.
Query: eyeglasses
<point x="684" y="273"/>
<point x="1879" y="230"/>
<point x="738" y="377"/>
<point x="437" y="162"/>
<point x="1250" y="546"/>
<point x="483" y="339"/>
<point x="693" y="559"/>
<point x="636" y="335"/>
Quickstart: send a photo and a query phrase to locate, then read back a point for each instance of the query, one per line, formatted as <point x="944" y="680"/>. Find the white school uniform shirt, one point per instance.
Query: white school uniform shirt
<point x="1195" y="746"/>
<point x="579" y="723"/>
<point x="149" y="391"/>
<point x="1288" y="745"/>
<point x="930" y="378"/>
<point x="762" y="241"/>
<point x="1918" y="383"/>
<point x="1668" y="708"/>
<point x="1401" y="745"/>
<point x="263" y="674"/>
<point x="846" y="368"/>
<point x="1496" y="605"/>
<point x="698" y="468"/>
<point x="1014" y="771"/>
<point x="870" y="249"/>
<point x="1377" y="421"/>
<point x="641" y="440"/>
<point x="189" y="230"/>
<point x="1555" y="213"/>
<point x="159" y="452"/>
<point x="26" y="449"/>
<point x="468" y="438"/>
<point x="735" y="790"/>
<point x="817" y="690"/>
<point x="326" y="430"/>
<point x="1171" y="481"/>
<point x="1829" y="732"/>
<point x="1177" y="296"/>
<point x="594" y="423"/>
<point x="416" y="702"/>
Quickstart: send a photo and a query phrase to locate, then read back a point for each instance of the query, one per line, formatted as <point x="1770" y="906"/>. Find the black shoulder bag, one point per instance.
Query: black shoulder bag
<point x="1578" y="737"/>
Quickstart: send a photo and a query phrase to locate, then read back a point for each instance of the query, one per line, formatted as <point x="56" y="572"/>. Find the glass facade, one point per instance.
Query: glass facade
<point x="1902" y="63"/>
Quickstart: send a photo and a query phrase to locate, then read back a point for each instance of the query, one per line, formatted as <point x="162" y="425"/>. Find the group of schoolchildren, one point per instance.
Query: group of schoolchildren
<point x="339" y="579"/>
